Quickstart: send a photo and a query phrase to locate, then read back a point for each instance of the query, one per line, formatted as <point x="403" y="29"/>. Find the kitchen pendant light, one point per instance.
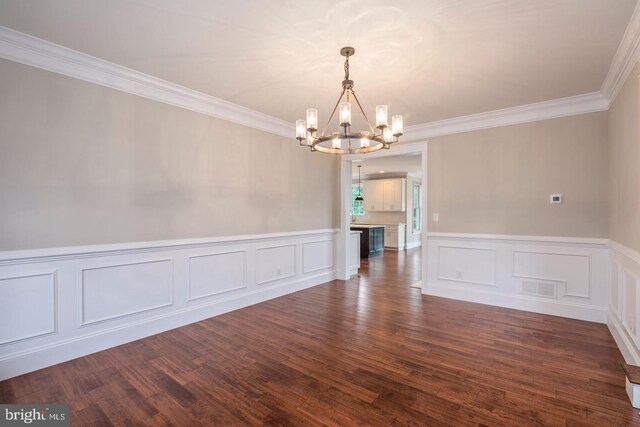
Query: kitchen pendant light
<point x="346" y="141"/>
<point x="359" y="197"/>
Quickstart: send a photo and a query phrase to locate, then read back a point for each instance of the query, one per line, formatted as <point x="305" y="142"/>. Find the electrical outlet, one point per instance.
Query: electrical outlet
<point x="278" y="272"/>
<point x="436" y="217"/>
<point x="459" y="275"/>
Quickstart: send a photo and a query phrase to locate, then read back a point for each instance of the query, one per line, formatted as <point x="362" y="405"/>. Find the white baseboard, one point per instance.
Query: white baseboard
<point x="64" y="303"/>
<point x="518" y="302"/>
<point x="412" y="245"/>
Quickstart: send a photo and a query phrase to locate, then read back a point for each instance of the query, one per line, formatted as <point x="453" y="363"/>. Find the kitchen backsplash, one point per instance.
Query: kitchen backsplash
<point x="380" y="218"/>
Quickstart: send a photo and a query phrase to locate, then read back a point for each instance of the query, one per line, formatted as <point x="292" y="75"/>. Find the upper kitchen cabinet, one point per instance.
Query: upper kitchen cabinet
<point x="394" y="195"/>
<point x="373" y="195"/>
<point x="385" y="195"/>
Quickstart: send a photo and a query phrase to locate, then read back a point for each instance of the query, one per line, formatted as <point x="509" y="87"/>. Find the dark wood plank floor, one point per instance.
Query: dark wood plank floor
<point x="370" y="351"/>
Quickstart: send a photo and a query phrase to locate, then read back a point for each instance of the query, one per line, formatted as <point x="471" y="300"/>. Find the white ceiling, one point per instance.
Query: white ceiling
<point x="391" y="165"/>
<point x="428" y="59"/>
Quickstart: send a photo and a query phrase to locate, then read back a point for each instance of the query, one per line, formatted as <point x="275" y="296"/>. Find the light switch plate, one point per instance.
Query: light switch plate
<point x="436" y="217"/>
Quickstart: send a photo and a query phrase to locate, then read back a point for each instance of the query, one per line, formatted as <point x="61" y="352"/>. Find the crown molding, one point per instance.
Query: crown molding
<point x="626" y="56"/>
<point x="29" y="50"/>
<point x="580" y="104"/>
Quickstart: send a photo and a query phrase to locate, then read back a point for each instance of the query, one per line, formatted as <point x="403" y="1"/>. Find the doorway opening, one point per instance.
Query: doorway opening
<point x="399" y="173"/>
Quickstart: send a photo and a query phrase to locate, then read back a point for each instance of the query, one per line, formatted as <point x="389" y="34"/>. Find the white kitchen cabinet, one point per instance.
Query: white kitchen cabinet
<point x="385" y="195"/>
<point x="373" y="193"/>
<point x="394" y="237"/>
<point x="393" y="195"/>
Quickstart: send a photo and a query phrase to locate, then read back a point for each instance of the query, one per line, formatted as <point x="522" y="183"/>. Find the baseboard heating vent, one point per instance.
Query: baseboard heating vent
<point x="539" y="288"/>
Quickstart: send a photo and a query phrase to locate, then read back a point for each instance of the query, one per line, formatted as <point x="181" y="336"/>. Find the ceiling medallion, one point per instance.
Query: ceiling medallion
<point x="347" y="141"/>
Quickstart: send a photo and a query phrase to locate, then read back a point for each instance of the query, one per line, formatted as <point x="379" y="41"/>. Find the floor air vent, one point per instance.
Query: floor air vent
<point x="539" y="288"/>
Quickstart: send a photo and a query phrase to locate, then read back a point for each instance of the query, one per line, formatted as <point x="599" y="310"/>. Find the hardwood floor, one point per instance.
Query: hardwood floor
<point x="370" y="351"/>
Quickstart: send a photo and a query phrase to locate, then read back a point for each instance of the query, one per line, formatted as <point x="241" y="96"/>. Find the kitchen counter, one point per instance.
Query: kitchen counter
<point x="354" y="224"/>
<point x="371" y="239"/>
<point x="394" y="234"/>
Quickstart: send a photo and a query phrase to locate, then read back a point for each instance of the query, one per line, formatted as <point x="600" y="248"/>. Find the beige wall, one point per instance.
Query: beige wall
<point x="624" y="164"/>
<point x="83" y="164"/>
<point x="498" y="181"/>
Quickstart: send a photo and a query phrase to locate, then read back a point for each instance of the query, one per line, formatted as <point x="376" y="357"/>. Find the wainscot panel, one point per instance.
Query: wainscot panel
<point x="28" y="306"/>
<point x="116" y="290"/>
<point x="467" y="265"/>
<point x="277" y="262"/>
<point x="317" y="255"/>
<point x="216" y="273"/>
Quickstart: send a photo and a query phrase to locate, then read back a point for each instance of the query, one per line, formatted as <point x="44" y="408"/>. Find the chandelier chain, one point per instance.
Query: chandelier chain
<point x="346" y="68"/>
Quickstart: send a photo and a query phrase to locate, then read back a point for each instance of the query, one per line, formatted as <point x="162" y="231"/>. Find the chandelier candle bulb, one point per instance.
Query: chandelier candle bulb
<point x="301" y="130"/>
<point x="364" y="140"/>
<point x="381" y="116"/>
<point x="388" y="135"/>
<point x="396" y="125"/>
<point x="312" y="119"/>
<point x="345" y="113"/>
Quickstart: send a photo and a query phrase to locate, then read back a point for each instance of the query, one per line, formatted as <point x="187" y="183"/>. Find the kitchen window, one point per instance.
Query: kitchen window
<point x="417" y="208"/>
<point x="357" y="207"/>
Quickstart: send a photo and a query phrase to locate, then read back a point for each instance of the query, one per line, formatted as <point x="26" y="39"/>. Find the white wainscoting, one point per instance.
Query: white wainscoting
<point x="275" y="263"/>
<point x="467" y="265"/>
<point x="116" y="290"/>
<point x="215" y="273"/>
<point x="624" y="300"/>
<point x="317" y="255"/>
<point x="354" y="255"/>
<point x="37" y="291"/>
<point x="61" y="303"/>
<point x="559" y="276"/>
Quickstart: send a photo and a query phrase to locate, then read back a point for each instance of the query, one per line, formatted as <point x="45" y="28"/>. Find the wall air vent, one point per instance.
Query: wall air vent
<point x="547" y="289"/>
<point x="539" y="288"/>
<point x="530" y="287"/>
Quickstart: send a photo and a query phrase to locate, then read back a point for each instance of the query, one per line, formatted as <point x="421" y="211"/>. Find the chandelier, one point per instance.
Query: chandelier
<point x="346" y="141"/>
